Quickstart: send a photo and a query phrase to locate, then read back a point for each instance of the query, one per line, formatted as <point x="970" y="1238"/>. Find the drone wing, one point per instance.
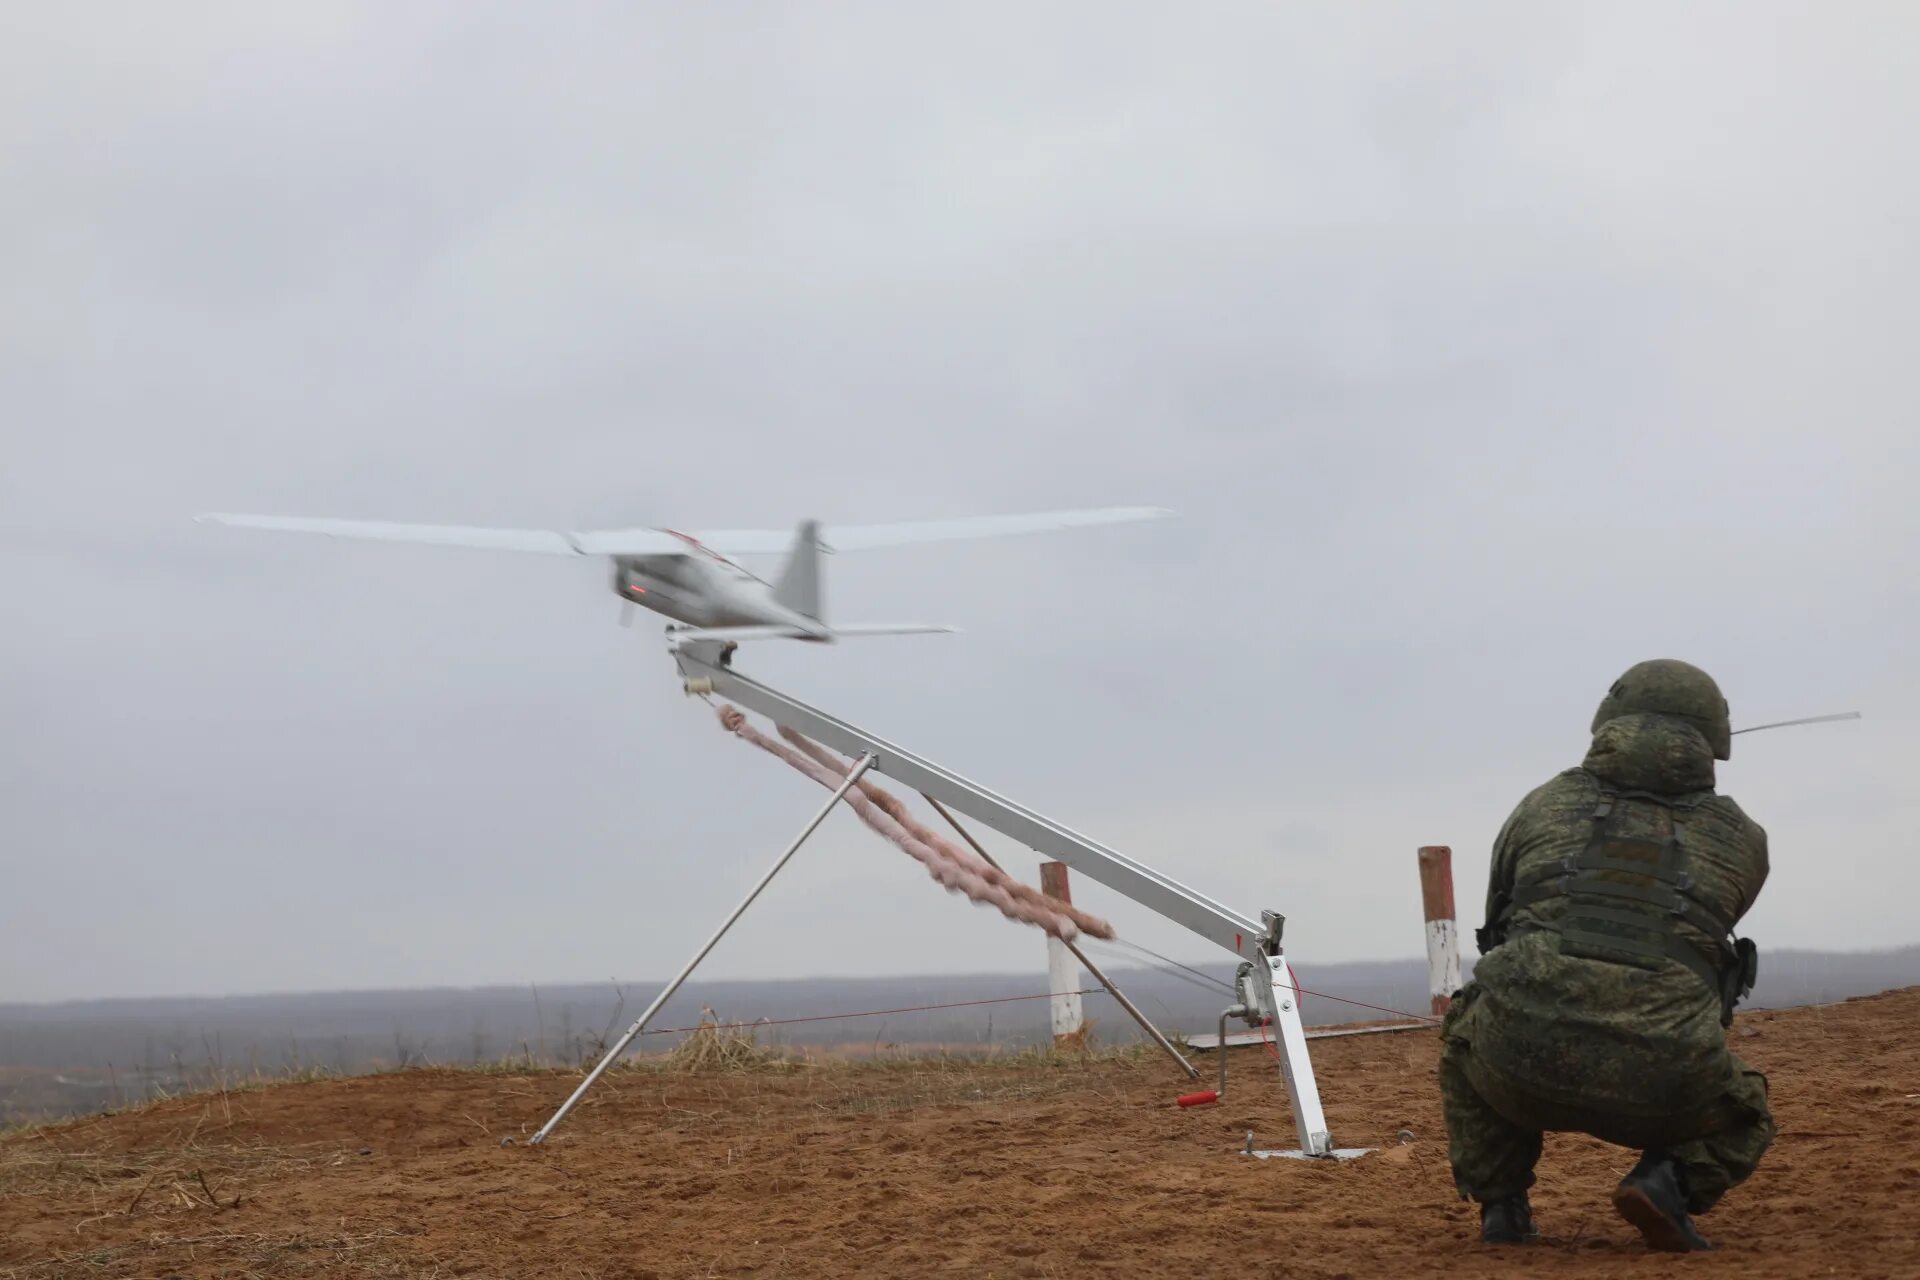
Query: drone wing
<point x="861" y="537"/>
<point x="726" y="542"/>
<point x="651" y="542"/>
<point x="546" y="541"/>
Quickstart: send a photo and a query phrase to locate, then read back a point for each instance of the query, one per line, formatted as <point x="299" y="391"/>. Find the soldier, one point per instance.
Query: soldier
<point x="1608" y="973"/>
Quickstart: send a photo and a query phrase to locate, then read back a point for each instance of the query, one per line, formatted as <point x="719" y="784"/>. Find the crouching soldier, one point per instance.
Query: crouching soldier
<point x="1609" y="973"/>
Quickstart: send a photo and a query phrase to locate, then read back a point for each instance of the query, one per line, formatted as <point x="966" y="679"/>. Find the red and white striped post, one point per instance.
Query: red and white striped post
<point x="1443" y="931"/>
<point x="1063" y="973"/>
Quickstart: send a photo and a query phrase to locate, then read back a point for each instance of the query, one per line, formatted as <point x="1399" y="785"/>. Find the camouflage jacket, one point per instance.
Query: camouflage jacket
<point x="1587" y="1030"/>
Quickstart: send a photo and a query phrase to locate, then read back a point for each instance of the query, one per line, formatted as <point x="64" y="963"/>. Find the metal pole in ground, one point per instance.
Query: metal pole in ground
<point x="1120" y="998"/>
<point x="1443" y="932"/>
<point x="860" y="767"/>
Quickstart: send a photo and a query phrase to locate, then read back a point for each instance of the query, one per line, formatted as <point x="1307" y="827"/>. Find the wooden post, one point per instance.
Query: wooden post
<point x="1443" y="931"/>
<point x="1119" y="996"/>
<point x="1063" y="977"/>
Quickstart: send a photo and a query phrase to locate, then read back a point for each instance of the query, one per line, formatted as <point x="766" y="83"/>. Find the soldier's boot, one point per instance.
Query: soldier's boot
<point x="1507" y="1221"/>
<point x="1652" y="1198"/>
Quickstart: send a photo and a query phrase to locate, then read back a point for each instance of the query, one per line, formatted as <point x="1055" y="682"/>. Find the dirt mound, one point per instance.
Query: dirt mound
<point x="1021" y="1169"/>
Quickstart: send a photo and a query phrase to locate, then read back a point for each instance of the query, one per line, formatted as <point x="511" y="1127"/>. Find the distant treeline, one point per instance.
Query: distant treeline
<point x="351" y="1029"/>
<point x="126" y="1049"/>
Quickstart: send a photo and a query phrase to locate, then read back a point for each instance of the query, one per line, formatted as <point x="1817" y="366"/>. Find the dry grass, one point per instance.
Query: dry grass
<point x="714" y="1047"/>
<point x="196" y="1165"/>
<point x="175" y="1192"/>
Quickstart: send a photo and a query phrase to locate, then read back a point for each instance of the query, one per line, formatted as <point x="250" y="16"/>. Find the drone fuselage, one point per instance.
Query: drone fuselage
<point x="705" y="590"/>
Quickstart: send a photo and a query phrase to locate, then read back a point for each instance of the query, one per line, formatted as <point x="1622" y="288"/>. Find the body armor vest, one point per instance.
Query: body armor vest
<point x="1625" y="896"/>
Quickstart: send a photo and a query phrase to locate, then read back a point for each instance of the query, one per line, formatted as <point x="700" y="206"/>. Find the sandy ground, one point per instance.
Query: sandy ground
<point x="1014" y="1170"/>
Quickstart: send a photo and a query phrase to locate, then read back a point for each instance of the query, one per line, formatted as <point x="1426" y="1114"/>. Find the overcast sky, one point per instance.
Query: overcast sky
<point x="1483" y="350"/>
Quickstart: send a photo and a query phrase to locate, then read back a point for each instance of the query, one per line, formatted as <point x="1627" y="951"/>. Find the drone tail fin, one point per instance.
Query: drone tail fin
<point x="798" y="587"/>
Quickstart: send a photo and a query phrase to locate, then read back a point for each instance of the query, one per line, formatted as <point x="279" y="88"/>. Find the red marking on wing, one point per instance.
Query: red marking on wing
<point x="695" y="543"/>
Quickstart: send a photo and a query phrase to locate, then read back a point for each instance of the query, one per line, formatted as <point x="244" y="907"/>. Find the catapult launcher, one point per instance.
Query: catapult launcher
<point x="1267" y="994"/>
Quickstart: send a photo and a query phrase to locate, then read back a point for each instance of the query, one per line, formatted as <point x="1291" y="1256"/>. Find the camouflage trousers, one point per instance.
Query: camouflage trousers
<point x="1495" y="1125"/>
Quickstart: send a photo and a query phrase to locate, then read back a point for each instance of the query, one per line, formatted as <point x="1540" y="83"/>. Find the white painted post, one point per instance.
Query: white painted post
<point x="1443" y="931"/>
<point x="1063" y="974"/>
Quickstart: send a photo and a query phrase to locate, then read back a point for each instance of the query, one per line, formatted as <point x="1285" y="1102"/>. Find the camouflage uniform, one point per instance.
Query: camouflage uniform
<point x="1569" y="1025"/>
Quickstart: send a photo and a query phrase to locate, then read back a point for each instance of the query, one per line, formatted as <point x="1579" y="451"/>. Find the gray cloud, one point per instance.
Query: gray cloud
<point x="1483" y="352"/>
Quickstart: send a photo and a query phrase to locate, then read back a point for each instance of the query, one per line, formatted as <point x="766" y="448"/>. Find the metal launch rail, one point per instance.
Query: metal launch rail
<point x="1265" y="985"/>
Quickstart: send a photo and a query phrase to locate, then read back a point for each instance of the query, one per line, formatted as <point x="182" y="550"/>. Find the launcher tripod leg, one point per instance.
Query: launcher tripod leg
<point x="854" y="775"/>
<point x="1267" y="988"/>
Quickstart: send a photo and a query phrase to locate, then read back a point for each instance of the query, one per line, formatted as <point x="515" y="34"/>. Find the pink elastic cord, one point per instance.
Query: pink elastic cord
<point x="954" y="853"/>
<point x="958" y="871"/>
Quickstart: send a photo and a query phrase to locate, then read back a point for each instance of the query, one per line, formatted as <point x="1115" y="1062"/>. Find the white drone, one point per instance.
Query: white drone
<point x="692" y="579"/>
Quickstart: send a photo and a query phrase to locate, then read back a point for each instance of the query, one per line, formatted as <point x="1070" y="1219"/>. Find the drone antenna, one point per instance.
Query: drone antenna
<point x="1784" y="724"/>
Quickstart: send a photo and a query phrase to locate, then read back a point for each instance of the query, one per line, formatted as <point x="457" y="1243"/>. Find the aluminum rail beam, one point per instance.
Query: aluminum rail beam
<point x="703" y="664"/>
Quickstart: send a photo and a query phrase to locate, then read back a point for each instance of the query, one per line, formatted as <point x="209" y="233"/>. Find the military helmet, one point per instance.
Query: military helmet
<point x="1669" y="687"/>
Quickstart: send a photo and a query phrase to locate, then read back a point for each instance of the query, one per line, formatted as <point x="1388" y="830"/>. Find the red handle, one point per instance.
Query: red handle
<point x="1200" y="1099"/>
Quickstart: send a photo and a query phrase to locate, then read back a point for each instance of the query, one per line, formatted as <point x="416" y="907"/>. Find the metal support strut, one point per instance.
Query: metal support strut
<point x="1267" y="988"/>
<point x="854" y="774"/>
<point x="1133" y="1011"/>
